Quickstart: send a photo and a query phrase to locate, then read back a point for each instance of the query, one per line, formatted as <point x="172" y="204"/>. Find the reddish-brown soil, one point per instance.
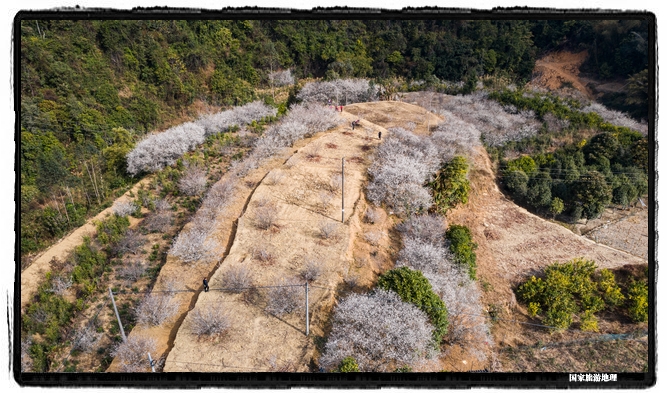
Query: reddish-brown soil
<point x="559" y="70"/>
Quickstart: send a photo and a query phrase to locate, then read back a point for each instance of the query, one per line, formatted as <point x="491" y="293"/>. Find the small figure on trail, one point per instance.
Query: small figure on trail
<point x="380" y="135"/>
<point x="341" y="109"/>
<point x="352" y="126"/>
<point x="205" y="285"/>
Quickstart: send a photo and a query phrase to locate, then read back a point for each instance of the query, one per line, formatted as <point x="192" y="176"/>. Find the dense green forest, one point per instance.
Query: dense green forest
<point x="567" y="171"/>
<point x="90" y="89"/>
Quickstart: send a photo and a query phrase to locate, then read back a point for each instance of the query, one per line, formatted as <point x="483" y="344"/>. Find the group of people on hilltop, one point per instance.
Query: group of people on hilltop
<point x="337" y="108"/>
<point x="354" y="123"/>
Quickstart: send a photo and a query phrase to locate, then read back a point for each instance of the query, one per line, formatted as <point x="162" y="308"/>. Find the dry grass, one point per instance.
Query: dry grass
<point x="327" y="229"/>
<point x="264" y="254"/>
<point x="577" y="356"/>
<point x="265" y="214"/>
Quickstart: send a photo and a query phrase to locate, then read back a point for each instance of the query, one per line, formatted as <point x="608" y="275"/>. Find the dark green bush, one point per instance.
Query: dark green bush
<point x="517" y="183"/>
<point x="461" y="244"/>
<point x="413" y="287"/>
<point x="451" y="186"/>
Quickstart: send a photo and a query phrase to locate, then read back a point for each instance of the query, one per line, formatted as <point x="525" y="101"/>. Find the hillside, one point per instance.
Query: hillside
<point x="91" y="89"/>
<point x="160" y="155"/>
<point x="258" y="340"/>
<point x="512" y="244"/>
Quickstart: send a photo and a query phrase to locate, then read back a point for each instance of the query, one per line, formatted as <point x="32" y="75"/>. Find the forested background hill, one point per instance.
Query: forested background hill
<point x="91" y="89"/>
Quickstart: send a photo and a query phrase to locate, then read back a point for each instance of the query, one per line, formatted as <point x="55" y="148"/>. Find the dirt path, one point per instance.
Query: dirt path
<point x="558" y="69"/>
<point x="34" y="274"/>
<point x="189" y="276"/>
<point x="259" y="340"/>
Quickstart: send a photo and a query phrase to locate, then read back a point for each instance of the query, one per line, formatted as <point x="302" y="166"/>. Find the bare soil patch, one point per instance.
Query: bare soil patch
<point x="561" y="70"/>
<point x="389" y="114"/>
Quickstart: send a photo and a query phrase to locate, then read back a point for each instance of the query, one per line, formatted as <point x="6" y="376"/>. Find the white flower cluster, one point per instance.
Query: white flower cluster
<point x="403" y="162"/>
<point x="238" y="116"/>
<point x="158" y="150"/>
<point x="616" y="118"/>
<point x="497" y="125"/>
<point x="379" y="331"/>
<point x="281" y="78"/>
<point x="339" y="91"/>
<point x="425" y="249"/>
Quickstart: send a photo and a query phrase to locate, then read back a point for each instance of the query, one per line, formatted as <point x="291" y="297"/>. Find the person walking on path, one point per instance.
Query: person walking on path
<point x="380" y="135"/>
<point x="205" y="285"/>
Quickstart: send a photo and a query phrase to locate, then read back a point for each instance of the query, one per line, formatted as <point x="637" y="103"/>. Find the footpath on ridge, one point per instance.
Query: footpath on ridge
<point x="257" y="339"/>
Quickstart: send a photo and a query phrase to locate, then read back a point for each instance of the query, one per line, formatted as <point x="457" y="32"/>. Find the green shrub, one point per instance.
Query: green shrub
<point x="450" y="186"/>
<point x="89" y="262"/>
<point x="523" y="163"/>
<point x="611" y="292"/>
<point x="38" y="353"/>
<point x="517" y="183"/>
<point x="638" y="301"/>
<point x="538" y="192"/>
<point x="589" y="322"/>
<point x="570" y="289"/>
<point x="112" y="229"/>
<point x="556" y="206"/>
<point x="412" y="287"/>
<point x="463" y="247"/>
<point x="348" y="365"/>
